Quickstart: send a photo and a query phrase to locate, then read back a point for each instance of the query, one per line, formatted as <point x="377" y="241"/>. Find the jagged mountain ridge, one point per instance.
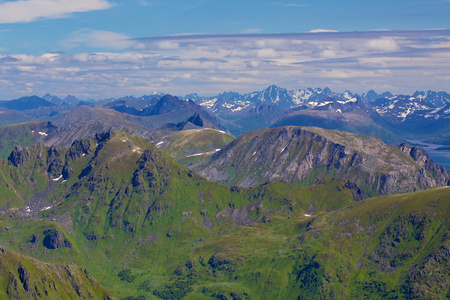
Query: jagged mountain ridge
<point x="287" y="99"/>
<point x="302" y="155"/>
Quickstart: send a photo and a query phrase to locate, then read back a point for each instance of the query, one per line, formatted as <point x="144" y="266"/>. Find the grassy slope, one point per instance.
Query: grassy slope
<point x="27" y="278"/>
<point x="183" y="145"/>
<point x="19" y="134"/>
<point x="180" y="235"/>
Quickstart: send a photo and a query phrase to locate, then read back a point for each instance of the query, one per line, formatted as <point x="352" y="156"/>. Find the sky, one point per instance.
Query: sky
<point x="96" y="49"/>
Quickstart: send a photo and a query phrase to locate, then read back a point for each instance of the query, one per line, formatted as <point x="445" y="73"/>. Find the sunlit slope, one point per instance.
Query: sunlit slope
<point x="144" y="225"/>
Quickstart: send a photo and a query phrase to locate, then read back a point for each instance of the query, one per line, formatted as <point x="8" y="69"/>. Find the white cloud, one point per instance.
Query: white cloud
<point x="209" y="64"/>
<point x="31" y="10"/>
<point x="383" y="45"/>
<point x="98" y="39"/>
<point x="168" y="45"/>
<point x="322" y="30"/>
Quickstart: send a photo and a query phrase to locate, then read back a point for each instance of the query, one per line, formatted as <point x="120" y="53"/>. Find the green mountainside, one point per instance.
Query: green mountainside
<point x="24" y="277"/>
<point x="303" y="155"/>
<point x="24" y="134"/>
<point x="191" y="146"/>
<point x="145" y="226"/>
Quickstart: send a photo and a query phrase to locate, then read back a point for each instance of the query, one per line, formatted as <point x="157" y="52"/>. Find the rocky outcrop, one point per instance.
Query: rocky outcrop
<point x="21" y="155"/>
<point x="419" y="155"/>
<point x="303" y="155"/>
<point x="28" y="278"/>
<point x="54" y="239"/>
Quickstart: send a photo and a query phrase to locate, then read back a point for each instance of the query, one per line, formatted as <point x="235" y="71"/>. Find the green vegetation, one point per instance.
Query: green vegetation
<point x="190" y="146"/>
<point x="27" y="278"/>
<point x="147" y="227"/>
<point x="19" y="135"/>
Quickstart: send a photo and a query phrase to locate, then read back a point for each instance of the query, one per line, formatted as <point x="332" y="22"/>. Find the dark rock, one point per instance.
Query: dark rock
<point x="19" y="156"/>
<point x="11" y="289"/>
<point x="33" y="239"/>
<point x="79" y="147"/>
<point x="24" y="276"/>
<point x="54" y="239"/>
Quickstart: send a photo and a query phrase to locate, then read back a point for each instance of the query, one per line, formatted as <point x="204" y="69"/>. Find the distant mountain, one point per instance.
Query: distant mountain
<point x="26" y="103"/>
<point x="130" y="102"/>
<point x="86" y="121"/>
<point x="415" y="116"/>
<point x="196" y="121"/>
<point x="9" y="117"/>
<point x="230" y="102"/>
<point x="303" y="155"/>
<point x="68" y="100"/>
<point x="53" y="99"/>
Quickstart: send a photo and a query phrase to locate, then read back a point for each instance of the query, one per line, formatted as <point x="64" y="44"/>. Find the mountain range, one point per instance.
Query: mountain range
<point x="147" y="227"/>
<point x="154" y="198"/>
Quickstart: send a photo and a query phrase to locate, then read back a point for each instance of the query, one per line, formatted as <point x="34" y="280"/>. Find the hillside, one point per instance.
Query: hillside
<point x="9" y="117"/>
<point x="302" y="155"/>
<point x="143" y="225"/>
<point x="27" y="278"/>
<point x="24" y="134"/>
<point x="191" y="146"/>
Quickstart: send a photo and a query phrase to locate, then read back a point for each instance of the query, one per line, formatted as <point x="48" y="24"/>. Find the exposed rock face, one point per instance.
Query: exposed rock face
<point x="19" y="156"/>
<point x="54" y="239"/>
<point x="302" y="155"/>
<point x="79" y="147"/>
<point x="422" y="159"/>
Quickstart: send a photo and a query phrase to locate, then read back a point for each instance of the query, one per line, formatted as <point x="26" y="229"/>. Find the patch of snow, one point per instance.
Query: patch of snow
<point x="43" y="133"/>
<point x="159" y="144"/>
<point x="339" y="110"/>
<point x="196" y="154"/>
<point x="46" y="208"/>
<point x="237" y="109"/>
<point x="204" y="153"/>
<point x="56" y="179"/>
<point x="221" y="131"/>
<point x="325" y="103"/>
<point x="306" y="215"/>
<point x="254" y="153"/>
<point x="406" y="113"/>
<point x="84" y="154"/>
<point x="124" y="141"/>
<point x="349" y="100"/>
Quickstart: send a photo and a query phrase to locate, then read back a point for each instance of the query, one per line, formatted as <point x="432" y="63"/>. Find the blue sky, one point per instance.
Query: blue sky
<point x="96" y="49"/>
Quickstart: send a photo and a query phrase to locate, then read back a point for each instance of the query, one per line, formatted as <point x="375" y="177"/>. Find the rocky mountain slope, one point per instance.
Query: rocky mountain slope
<point x="28" y="278"/>
<point x="303" y="155"/>
<point x="143" y="225"/>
